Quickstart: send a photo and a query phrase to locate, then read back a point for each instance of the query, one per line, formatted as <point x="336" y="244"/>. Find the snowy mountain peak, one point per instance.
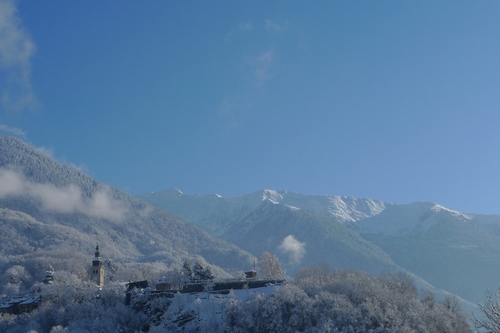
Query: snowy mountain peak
<point x="272" y="195"/>
<point x="345" y="209"/>
<point x="350" y="209"/>
<point x="438" y="208"/>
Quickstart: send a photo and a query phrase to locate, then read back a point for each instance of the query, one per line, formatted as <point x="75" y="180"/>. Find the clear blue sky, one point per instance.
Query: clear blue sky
<point x="393" y="100"/>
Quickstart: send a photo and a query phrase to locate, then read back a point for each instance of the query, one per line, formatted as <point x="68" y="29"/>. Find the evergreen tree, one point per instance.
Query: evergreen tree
<point x="202" y="273"/>
<point x="188" y="271"/>
<point x="49" y="275"/>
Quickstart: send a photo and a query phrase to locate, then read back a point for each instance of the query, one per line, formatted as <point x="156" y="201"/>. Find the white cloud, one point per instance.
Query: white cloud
<point x="68" y="199"/>
<point x="64" y="200"/>
<point x="263" y="66"/>
<point x="241" y="28"/>
<point x="12" y="130"/>
<point x="235" y="108"/>
<point x="46" y="151"/>
<point x="11" y="183"/>
<point x="245" y="26"/>
<point x="260" y="61"/>
<point x="272" y="26"/>
<point x="16" y="50"/>
<point x="103" y="205"/>
<point x="295" y="249"/>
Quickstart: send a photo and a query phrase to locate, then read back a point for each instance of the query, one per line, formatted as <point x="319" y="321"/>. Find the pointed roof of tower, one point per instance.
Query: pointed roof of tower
<point x="97" y="253"/>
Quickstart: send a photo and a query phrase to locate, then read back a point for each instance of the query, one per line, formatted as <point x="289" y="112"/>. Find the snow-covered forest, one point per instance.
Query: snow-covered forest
<point x="318" y="299"/>
<point x="47" y="252"/>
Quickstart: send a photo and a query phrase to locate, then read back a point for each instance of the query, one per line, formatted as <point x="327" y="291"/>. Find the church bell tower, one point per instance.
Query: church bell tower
<point x="96" y="272"/>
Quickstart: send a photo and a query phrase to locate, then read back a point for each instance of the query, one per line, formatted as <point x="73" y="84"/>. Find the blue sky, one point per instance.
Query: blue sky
<point x="393" y="100"/>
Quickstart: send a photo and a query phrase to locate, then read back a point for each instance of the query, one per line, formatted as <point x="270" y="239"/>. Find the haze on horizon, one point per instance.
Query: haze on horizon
<point x="389" y="100"/>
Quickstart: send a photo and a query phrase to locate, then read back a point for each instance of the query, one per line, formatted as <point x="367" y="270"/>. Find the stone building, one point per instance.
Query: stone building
<point x="96" y="272"/>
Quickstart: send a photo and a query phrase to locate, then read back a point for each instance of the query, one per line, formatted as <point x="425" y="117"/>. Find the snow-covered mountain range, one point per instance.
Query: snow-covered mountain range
<point x="212" y="211"/>
<point x="51" y="213"/>
<point x="453" y="251"/>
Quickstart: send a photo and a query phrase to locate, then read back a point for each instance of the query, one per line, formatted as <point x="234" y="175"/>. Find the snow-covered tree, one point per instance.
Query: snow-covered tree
<point x="16" y="279"/>
<point x="188" y="270"/>
<point x="197" y="271"/>
<point x="490" y="309"/>
<point x="347" y="302"/>
<point x="49" y="275"/>
<point x="270" y="267"/>
<point x="201" y="272"/>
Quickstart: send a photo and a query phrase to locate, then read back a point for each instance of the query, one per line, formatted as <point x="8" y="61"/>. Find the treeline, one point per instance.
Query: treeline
<point x="76" y="307"/>
<point x="318" y="300"/>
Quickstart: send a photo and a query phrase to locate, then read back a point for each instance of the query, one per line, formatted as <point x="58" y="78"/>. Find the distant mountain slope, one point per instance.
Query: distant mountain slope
<point x="303" y="237"/>
<point x="260" y="222"/>
<point x="451" y="250"/>
<point x="490" y="222"/>
<point x="447" y="248"/>
<point x="211" y="212"/>
<point x="214" y="213"/>
<point x="44" y="203"/>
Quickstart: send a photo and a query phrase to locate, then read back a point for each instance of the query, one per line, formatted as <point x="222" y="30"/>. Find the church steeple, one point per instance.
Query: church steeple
<point x="96" y="272"/>
<point x="97" y="253"/>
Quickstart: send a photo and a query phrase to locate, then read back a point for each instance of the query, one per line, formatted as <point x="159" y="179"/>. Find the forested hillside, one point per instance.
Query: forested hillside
<point x="52" y="213"/>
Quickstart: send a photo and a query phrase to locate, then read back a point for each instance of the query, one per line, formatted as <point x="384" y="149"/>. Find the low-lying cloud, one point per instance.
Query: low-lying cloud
<point x="12" y="131"/>
<point x="295" y="249"/>
<point x="68" y="199"/>
<point x="16" y="50"/>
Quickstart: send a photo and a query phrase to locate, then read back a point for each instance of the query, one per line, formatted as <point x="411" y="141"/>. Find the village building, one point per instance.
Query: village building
<point x="163" y="285"/>
<point x="20" y="303"/>
<point x="96" y="271"/>
<point x="164" y="288"/>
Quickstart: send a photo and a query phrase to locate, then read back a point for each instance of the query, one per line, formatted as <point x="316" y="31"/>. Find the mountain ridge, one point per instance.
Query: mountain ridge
<point x="450" y="250"/>
<point x="46" y="206"/>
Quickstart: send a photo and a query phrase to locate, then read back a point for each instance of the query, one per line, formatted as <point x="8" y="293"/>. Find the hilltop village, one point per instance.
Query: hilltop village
<point x="199" y="279"/>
